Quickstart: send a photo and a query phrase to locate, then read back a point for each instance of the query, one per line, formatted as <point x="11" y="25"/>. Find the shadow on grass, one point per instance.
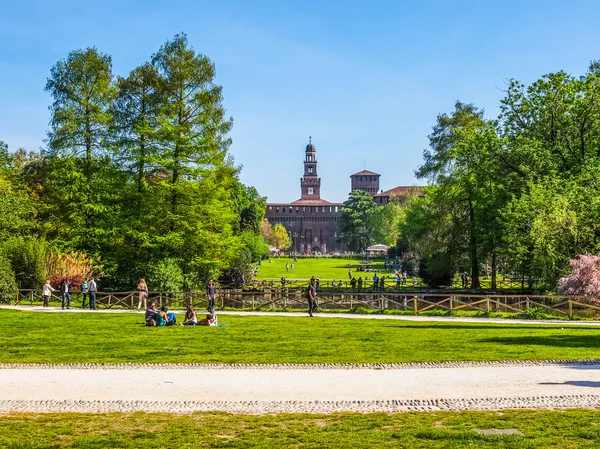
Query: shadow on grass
<point x="468" y="326"/>
<point x="559" y="341"/>
<point x="575" y="383"/>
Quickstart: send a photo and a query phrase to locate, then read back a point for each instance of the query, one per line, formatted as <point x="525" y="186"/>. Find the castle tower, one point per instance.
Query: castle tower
<point x="310" y="183"/>
<point x="366" y="181"/>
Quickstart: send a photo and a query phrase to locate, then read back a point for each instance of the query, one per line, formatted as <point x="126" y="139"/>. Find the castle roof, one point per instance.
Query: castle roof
<point x="365" y="173"/>
<point x="314" y="203"/>
<point x="401" y="190"/>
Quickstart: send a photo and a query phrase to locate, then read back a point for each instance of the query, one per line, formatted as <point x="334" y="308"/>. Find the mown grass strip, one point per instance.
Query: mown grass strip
<point x="541" y="429"/>
<point x="30" y="337"/>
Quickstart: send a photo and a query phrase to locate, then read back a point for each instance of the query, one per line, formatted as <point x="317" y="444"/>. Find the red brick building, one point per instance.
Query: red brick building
<point x="311" y="221"/>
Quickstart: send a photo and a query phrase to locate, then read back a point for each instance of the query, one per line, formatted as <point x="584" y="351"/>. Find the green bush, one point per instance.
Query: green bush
<point x="534" y="313"/>
<point x="165" y="276"/>
<point x="8" y="284"/>
<point x="26" y="256"/>
<point x="437" y="270"/>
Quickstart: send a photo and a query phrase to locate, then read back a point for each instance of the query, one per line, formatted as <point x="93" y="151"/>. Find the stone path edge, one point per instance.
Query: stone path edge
<point x="264" y="407"/>
<point x="301" y="366"/>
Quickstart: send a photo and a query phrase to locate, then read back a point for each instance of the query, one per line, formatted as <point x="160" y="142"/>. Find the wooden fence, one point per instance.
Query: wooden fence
<point x="410" y="302"/>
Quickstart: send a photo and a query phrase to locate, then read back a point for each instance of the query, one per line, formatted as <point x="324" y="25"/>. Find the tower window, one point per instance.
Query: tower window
<point x="310" y="190"/>
<point x="310" y="169"/>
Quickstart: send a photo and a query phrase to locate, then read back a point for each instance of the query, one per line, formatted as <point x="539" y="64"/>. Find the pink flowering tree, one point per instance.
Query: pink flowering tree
<point x="584" y="279"/>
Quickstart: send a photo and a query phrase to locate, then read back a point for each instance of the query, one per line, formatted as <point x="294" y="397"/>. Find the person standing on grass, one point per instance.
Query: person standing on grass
<point x="353" y="284"/>
<point x="382" y="283"/>
<point x="92" y="290"/>
<point x="375" y="281"/>
<point x="350" y="274"/>
<point x="84" y="292"/>
<point x="65" y="293"/>
<point x="142" y="289"/>
<point x="47" y="292"/>
<point x="211" y="293"/>
<point x="359" y="283"/>
<point x="311" y="296"/>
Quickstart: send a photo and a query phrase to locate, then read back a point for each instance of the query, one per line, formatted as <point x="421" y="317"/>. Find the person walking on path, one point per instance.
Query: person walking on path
<point x="92" y="290"/>
<point x="312" y="296"/>
<point x="211" y="293"/>
<point x="84" y="292"/>
<point x="47" y="292"/>
<point x="65" y="293"/>
<point x="142" y="289"/>
<point x="287" y="266"/>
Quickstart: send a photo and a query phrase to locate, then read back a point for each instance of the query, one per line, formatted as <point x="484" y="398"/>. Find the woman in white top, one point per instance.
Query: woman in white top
<point x="142" y="289"/>
<point x="47" y="292"/>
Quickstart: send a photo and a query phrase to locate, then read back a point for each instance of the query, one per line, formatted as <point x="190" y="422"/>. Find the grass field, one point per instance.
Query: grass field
<point x="542" y="429"/>
<point x="34" y="337"/>
<point x="328" y="269"/>
<point x="323" y="268"/>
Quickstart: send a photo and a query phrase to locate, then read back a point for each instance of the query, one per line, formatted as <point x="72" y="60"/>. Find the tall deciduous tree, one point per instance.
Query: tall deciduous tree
<point x="355" y="222"/>
<point x="195" y="213"/>
<point x="80" y="186"/>
<point x="82" y="90"/>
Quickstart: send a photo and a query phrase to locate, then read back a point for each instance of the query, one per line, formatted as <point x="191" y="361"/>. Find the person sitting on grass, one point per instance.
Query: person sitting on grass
<point x="210" y="320"/>
<point x="190" y="317"/>
<point x="151" y="315"/>
<point x="165" y="318"/>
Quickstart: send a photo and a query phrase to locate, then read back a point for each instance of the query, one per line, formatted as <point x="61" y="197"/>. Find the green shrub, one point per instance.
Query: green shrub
<point x="534" y="313"/>
<point x="166" y="276"/>
<point x="8" y="284"/>
<point x="437" y="270"/>
<point x="27" y="258"/>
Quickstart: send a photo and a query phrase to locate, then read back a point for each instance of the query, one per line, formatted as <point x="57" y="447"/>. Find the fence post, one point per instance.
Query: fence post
<point x="450" y="303"/>
<point x="31" y="297"/>
<point x="487" y="305"/>
<point x="570" y="309"/>
<point x="415" y="305"/>
<point x="17" y="303"/>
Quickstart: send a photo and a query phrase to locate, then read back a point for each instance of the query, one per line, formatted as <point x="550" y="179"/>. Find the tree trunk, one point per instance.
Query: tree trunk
<point x="493" y="270"/>
<point x="473" y="244"/>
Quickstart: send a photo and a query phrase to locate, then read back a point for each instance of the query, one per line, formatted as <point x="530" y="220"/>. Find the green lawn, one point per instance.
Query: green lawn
<point x="328" y="269"/>
<point x="35" y="337"/>
<point x="323" y="268"/>
<point x="542" y="429"/>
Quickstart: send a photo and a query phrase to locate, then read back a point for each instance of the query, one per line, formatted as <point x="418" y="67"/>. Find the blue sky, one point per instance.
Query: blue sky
<point x="365" y="79"/>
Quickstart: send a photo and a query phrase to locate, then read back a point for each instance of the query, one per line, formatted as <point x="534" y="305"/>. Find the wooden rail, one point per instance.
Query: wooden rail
<point x="415" y="302"/>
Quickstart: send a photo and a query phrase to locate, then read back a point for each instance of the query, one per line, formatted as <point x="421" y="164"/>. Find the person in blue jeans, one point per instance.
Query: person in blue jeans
<point x="92" y="289"/>
<point x="65" y="293"/>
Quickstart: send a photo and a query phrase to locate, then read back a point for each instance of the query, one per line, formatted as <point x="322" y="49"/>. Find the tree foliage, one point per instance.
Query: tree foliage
<point x="136" y="177"/>
<point x="355" y="223"/>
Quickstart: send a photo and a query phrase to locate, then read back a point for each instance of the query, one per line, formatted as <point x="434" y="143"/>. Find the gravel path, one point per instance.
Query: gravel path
<point x="265" y="390"/>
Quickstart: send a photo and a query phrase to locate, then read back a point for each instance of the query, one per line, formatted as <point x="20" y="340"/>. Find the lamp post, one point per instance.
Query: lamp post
<point x="295" y="246"/>
<point x="334" y="240"/>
